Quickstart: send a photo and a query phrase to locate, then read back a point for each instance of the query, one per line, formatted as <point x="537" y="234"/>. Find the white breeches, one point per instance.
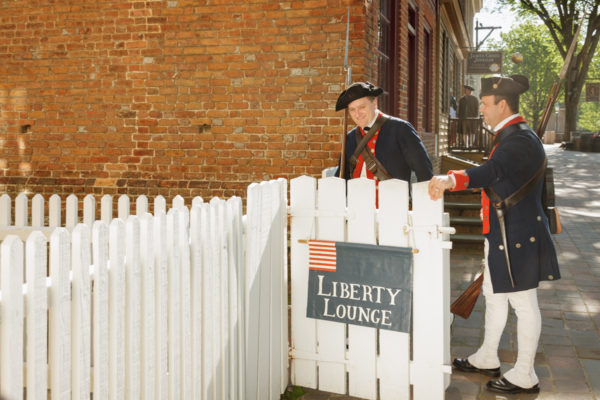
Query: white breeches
<point x="529" y="326"/>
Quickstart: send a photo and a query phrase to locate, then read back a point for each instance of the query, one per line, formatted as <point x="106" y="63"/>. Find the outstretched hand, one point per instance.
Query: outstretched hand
<point x="438" y="184"/>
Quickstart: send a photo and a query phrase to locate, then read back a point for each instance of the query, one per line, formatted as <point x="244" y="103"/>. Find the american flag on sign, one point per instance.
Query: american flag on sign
<point x="322" y="255"/>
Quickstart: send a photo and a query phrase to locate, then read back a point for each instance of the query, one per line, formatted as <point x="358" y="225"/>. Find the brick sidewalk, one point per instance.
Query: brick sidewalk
<point x="568" y="358"/>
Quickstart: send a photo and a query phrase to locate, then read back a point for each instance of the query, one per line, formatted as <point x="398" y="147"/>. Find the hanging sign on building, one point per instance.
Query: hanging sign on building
<point x="484" y="62"/>
<point x="360" y="284"/>
<point x="592" y="91"/>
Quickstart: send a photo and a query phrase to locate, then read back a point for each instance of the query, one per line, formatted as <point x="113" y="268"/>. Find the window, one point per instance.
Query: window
<point x="427" y="81"/>
<point x="413" y="98"/>
<point x="386" y="76"/>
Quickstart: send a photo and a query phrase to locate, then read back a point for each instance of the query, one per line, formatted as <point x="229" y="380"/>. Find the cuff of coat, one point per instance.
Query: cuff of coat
<point x="460" y="178"/>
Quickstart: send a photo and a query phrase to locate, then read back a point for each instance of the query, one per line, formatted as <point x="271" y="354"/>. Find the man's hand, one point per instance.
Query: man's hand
<point x="438" y="184"/>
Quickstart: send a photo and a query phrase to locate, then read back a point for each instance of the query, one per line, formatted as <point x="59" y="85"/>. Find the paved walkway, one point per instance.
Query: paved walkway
<point x="568" y="358"/>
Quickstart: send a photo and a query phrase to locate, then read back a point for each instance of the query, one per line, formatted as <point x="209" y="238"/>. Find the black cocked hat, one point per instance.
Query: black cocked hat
<point x="356" y="91"/>
<point x="504" y="85"/>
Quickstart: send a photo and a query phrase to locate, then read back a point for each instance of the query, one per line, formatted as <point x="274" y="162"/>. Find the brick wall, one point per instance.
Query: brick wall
<point x="172" y="97"/>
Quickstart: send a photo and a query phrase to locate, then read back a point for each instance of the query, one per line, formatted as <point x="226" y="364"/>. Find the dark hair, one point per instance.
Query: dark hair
<point x="511" y="101"/>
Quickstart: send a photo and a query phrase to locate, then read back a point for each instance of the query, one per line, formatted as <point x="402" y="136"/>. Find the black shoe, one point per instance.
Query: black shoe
<point x="502" y="385"/>
<point x="463" y="364"/>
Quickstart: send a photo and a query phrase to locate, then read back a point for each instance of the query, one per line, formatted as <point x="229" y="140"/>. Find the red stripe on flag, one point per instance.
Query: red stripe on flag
<point x="322" y="255"/>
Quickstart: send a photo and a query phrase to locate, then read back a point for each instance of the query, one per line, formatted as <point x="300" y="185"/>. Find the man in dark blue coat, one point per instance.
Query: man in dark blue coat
<point x="518" y="259"/>
<point x="395" y="144"/>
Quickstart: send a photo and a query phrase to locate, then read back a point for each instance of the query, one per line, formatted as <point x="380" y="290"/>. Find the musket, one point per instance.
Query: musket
<point x="555" y="89"/>
<point x="348" y="73"/>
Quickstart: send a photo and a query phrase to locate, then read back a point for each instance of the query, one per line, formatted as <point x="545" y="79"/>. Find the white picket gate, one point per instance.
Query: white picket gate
<point x="183" y="304"/>
<point x="360" y="361"/>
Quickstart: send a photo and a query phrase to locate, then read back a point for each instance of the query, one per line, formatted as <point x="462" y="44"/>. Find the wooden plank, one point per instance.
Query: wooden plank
<point x="72" y="212"/>
<point x="132" y="308"/>
<point x="81" y="312"/>
<point x="275" y="267"/>
<point x="116" y="307"/>
<point x="284" y="309"/>
<point x="185" y="331"/>
<point x="161" y="304"/>
<point x="5" y="210"/>
<point x="196" y="298"/>
<point x="148" y="306"/>
<point x="217" y="301"/>
<point x="37" y="211"/>
<point x="54" y="211"/>
<point x="430" y="300"/>
<point x="303" y="338"/>
<point x="252" y="289"/>
<point x="123" y="207"/>
<point x="236" y="295"/>
<point x="21" y="210"/>
<point x="100" y="312"/>
<point x="362" y="341"/>
<point x="59" y="300"/>
<point x="36" y="319"/>
<point x="106" y="209"/>
<point x="331" y="225"/>
<point x="174" y="315"/>
<point x="208" y="384"/>
<point x="394" y="347"/>
<point x="141" y="205"/>
<point x="11" y="315"/>
<point x="89" y="210"/>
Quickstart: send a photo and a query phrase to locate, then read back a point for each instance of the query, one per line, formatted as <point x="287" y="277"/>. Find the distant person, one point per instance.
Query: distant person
<point x="468" y="110"/>
<point x="519" y="252"/>
<point x="391" y="146"/>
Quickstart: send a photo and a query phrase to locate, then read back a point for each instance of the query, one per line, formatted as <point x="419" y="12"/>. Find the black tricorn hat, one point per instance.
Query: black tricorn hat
<point x="504" y="85"/>
<point x="356" y="91"/>
<point x="469" y="87"/>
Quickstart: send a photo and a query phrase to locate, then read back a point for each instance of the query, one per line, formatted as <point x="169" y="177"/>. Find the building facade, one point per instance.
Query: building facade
<point x="201" y="98"/>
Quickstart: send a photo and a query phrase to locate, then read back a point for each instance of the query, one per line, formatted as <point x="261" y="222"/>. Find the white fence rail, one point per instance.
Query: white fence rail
<point x="360" y="361"/>
<point x="176" y="305"/>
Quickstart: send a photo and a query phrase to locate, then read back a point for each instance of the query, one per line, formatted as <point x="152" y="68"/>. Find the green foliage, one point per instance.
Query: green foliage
<point x="292" y="393"/>
<point x="541" y="64"/>
<point x="589" y="116"/>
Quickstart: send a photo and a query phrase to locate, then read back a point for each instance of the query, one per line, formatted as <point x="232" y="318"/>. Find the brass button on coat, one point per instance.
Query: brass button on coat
<point x="550" y="277"/>
<point x="518" y="245"/>
<point x="532" y="239"/>
<point x="501" y="247"/>
<point x="539" y="218"/>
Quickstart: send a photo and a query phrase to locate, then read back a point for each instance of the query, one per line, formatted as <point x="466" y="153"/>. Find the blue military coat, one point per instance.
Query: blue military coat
<point x="399" y="148"/>
<point x="517" y="157"/>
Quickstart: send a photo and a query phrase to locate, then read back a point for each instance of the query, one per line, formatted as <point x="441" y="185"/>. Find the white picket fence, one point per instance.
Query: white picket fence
<point x="360" y="361"/>
<point x="185" y="304"/>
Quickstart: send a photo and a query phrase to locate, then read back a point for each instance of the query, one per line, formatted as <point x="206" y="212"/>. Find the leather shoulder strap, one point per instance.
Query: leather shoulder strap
<point x="362" y="141"/>
<point x="520" y="193"/>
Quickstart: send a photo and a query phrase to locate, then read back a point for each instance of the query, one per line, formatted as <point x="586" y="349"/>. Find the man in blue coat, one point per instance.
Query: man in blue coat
<point x="519" y="251"/>
<point x="392" y="149"/>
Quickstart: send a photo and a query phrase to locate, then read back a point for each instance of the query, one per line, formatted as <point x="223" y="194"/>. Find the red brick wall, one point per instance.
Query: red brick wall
<point x="172" y="97"/>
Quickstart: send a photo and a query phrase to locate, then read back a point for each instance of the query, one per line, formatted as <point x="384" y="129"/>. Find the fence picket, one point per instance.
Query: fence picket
<point x="72" y="211"/>
<point x="148" y="309"/>
<point x="362" y="341"/>
<point x="5" y="210"/>
<point x="208" y="383"/>
<point x="161" y="304"/>
<point x="80" y="317"/>
<point x="123" y="205"/>
<point x="394" y="347"/>
<point x="141" y="205"/>
<point x="106" y="208"/>
<point x="11" y="315"/>
<point x="174" y="297"/>
<point x="304" y="342"/>
<point x="185" y="331"/>
<point x="37" y="305"/>
<point x="331" y="335"/>
<point x="21" y="210"/>
<point x="54" y="211"/>
<point x="116" y="248"/>
<point x="59" y="299"/>
<point x="37" y="211"/>
<point x="100" y="329"/>
<point x="132" y="308"/>
<point x="89" y="210"/>
<point x="196" y="298"/>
